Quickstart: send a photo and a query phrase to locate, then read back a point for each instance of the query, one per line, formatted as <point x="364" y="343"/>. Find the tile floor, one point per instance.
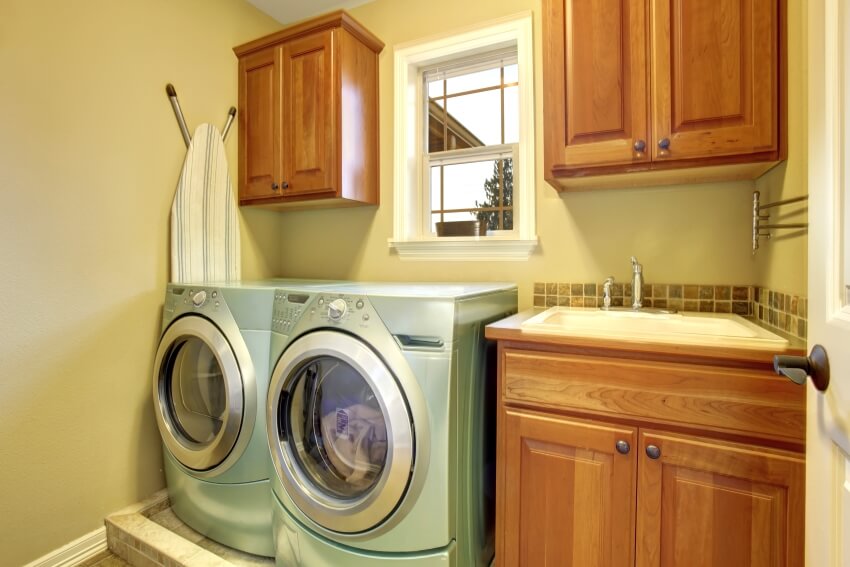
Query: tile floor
<point x="105" y="559"/>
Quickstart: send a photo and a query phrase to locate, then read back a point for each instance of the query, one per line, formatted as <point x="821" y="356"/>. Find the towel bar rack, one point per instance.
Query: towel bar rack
<point x="758" y="218"/>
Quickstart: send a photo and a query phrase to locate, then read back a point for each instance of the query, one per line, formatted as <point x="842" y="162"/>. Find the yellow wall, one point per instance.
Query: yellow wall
<point x="781" y="262"/>
<point x="684" y="234"/>
<point x="89" y="158"/>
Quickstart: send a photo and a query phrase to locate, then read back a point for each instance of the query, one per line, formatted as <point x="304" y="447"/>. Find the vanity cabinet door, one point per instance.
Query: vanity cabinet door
<point x="595" y="83"/>
<point x="567" y="493"/>
<point x="709" y="503"/>
<point x="259" y="123"/>
<point x="715" y="78"/>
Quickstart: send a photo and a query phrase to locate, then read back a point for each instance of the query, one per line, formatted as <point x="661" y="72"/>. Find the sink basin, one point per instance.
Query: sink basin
<point x="717" y="329"/>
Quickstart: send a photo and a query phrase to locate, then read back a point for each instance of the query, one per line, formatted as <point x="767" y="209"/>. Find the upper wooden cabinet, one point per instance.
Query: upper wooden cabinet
<point x="658" y="85"/>
<point x="308" y="116"/>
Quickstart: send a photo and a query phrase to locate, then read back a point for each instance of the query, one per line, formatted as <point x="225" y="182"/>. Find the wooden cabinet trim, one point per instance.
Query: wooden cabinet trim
<point x="745" y="402"/>
<point x="337" y="19"/>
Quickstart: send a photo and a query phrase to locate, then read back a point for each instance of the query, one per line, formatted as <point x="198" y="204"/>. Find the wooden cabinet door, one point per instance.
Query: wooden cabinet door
<point x="568" y="495"/>
<point x="595" y="83"/>
<point x="715" y="69"/>
<point x="309" y="113"/>
<point x="259" y="146"/>
<point x="707" y="503"/>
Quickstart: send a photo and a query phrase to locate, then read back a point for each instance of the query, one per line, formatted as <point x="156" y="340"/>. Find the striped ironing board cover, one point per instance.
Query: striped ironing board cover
<point x="204" y="222"/>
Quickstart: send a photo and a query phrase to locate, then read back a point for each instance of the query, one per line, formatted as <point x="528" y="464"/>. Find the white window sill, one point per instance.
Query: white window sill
<point x="465" y="248"/>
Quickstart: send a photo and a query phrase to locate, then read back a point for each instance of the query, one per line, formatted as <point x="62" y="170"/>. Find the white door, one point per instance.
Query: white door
<point x="828" y="428"/>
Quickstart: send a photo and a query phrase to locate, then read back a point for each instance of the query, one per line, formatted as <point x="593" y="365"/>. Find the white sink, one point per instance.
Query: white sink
<point x="719" y="329"/>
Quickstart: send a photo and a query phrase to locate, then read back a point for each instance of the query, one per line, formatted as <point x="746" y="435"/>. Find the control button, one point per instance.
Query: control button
<point x="359" y="304"/>
<point x="214" y="294"/>
<point x="337" y="309"/>
<point x="365" y="316"/>
<point x="321" y="301"/>
<point x="199" y="298"/>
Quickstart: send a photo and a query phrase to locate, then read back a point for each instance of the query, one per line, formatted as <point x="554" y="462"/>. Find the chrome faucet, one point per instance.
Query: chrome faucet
<point x="606" y="292"/>
<point x="637" y="284"/>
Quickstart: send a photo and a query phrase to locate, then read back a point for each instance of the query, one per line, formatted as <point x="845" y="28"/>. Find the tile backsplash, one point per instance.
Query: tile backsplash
<point x="785" y="312"/>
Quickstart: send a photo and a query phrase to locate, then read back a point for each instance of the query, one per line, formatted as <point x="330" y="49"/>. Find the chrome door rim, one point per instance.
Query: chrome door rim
<point x="199" y="456"/>
<point x="371" y="509"/>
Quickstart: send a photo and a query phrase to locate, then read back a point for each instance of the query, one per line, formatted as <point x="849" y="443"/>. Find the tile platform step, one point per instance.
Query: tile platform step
<point x="148" y="534"/>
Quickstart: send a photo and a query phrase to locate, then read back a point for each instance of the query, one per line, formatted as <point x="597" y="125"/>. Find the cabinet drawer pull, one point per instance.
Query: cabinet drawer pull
<point x="639" y="146"/>
<point x="274" y="186"/>
<point x="285" y="185"/>
<point x="623" y="447"/>
<point x="653" y="452"/>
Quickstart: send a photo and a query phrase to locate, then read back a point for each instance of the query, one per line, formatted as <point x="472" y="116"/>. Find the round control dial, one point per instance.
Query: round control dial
<point x="199" y="298"/>
<point x="337" y="309"/>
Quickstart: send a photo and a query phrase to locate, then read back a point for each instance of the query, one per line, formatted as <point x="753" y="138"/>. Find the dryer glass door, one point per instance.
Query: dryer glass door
<point x="344" y="441"/>
<point x="197" y="393"/>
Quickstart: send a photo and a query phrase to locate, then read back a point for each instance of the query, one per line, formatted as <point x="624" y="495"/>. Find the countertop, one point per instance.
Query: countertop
<point x="509" y="329"/>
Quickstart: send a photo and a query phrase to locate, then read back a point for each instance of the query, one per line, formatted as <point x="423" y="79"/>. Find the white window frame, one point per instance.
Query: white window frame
<point x="412" y="238"/>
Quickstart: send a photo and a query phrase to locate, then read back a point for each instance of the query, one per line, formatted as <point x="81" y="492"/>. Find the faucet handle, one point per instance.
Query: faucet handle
<point x="636" y="268"/>
<point x="609" y="281"/>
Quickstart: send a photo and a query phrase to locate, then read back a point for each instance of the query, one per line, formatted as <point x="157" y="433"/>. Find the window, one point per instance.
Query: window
<point x="464" y="144"/>
<point x="472" y="136"/>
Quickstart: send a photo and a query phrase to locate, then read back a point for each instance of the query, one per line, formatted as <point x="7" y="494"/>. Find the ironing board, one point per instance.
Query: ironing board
<point x="204" y="222"/>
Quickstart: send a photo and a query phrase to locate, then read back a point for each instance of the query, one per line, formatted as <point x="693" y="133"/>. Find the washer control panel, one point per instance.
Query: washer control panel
<point x="288" y="308"/>
<point x="337" y="309"/>
<point x="322" y="309"/>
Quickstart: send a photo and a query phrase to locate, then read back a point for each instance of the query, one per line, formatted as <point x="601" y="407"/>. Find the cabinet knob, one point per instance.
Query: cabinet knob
<point x="275" y="186"/>
<point x="664" y="147"/>
<point x="623" y="447"/>
<point x="285" y="185"/>
<point x="653" y="452"/>
<point x="639" y="146"/>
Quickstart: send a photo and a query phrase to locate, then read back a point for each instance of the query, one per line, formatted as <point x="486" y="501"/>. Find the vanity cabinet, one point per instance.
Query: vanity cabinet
<point x="654" y="86"/>
<point x="616" y="454"/>
<point x="308" y="116"/>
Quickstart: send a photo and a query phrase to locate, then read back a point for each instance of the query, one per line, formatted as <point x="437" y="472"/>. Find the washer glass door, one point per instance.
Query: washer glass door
<point x="337" y="428"/>
<point x="197" y="393"/>
<point x="344" y="450"/>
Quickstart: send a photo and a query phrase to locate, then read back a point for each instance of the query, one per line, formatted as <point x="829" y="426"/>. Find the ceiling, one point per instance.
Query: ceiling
<point x="288" y="11"/>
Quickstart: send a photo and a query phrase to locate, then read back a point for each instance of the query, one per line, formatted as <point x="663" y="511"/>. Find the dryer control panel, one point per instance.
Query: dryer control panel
<point x="183" y="299"/>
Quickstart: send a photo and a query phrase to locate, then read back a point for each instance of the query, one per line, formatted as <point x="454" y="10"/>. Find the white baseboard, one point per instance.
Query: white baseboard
<point x="75" y="552"/>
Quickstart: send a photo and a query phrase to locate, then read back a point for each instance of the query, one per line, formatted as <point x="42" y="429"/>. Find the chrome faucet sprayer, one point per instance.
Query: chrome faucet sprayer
<point x="637" y="284"/>
<point x="606" y="292"/>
